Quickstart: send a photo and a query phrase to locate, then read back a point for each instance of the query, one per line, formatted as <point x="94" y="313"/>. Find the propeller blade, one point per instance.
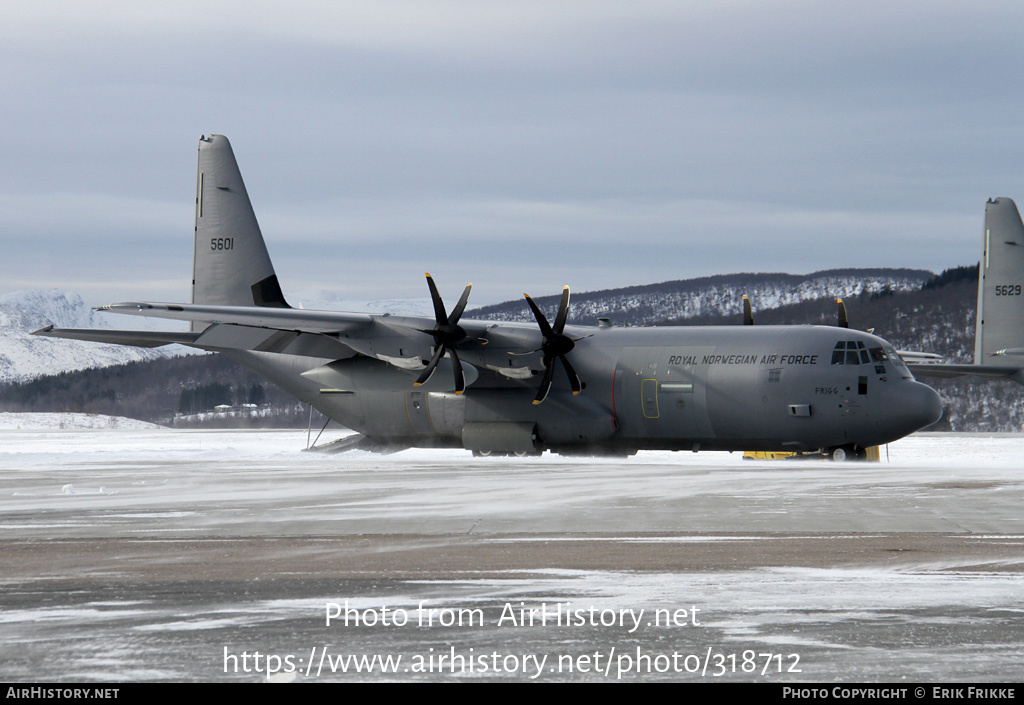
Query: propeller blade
<point x="439" y="315"/>
<point x="574" y="379"/>
<point x="545" y="327"/>
<point x="460" y="378"/>
<point x="748" y="312"/>
<point x="843" y="321"/>
<point x="460" y="307"/>
<point x="563" y="311"/>
<point x="431" y="366"/>
<point x="545" y="385"/>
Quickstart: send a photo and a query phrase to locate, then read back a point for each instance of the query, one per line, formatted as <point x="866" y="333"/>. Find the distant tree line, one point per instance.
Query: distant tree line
<point x="966" y="273"/>
<point x="159" y="391"/>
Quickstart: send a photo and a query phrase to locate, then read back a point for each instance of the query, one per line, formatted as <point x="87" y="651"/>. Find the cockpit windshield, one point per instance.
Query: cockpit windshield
<point x="855" y="352"/>
<point x="850" y="352"/>
<point x="895" y="357"/>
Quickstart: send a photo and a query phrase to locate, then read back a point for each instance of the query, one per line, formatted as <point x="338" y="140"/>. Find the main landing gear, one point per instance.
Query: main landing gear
<point x="840" y="454"/>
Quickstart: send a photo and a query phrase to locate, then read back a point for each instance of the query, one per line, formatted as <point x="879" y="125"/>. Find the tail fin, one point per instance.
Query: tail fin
<point x="231" y="264"/>
<point x="999" y="337"/>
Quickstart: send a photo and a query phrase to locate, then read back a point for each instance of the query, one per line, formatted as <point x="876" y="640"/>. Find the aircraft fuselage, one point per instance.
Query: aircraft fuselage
<point x="669" y="388"/>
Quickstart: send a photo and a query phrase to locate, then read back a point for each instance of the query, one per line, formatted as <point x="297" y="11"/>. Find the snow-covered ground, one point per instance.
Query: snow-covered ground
<point x="944" y="604"/>
<point x="244" y="482"/>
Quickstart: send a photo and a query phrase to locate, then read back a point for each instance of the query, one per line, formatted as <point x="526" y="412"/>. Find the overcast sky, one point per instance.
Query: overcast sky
<point x="518" y="145"/>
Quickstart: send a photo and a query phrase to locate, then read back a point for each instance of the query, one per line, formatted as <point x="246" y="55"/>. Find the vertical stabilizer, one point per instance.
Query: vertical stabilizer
<point x="231" y="264"/>
<point x="999" y="337"/>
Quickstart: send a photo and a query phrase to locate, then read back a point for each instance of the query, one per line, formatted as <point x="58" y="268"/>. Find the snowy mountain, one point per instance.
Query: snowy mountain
<point x="712" y="296"/>
<point x="321" y="300"/>
<point x="24" y="356"/>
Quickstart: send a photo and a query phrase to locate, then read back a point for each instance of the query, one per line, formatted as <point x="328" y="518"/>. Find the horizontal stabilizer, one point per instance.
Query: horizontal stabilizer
<point x="137" y="338"/>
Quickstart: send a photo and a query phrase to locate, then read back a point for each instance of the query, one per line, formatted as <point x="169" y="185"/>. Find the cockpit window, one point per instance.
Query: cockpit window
<point x="894" y="356"/>
<point x="850" y="352"/>
<point x="839" y="353"/>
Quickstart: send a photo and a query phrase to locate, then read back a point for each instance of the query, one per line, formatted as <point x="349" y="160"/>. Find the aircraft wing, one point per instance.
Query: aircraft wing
<point x="914" y="357"/>
<point x="255" y="316"/>
<point x="403" y="341"/>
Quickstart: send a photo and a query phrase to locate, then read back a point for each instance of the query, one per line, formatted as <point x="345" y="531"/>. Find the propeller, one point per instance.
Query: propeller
<point x="556" y="345"/>
<point x="842" y="321"/>
<point x="447" y="334"/>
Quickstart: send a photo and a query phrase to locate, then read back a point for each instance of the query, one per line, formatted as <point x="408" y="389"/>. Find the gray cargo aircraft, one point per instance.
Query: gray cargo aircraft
<point x="515" y="388"/>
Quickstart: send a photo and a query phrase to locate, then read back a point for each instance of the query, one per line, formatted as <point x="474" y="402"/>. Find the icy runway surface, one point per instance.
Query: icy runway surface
<point x="159" y="554"/>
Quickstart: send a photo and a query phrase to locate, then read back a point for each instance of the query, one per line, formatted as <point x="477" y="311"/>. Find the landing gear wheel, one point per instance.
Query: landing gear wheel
<point x="481" y="453"/>
<point x="840" y="454"/>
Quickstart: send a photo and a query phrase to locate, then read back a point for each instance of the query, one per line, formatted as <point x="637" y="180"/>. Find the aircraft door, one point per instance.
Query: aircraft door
<point x="663" y="392"/>
<point x="649" y="398"/>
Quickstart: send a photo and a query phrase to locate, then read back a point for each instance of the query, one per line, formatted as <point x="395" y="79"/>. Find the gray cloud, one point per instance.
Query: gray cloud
<point x="518" y="145"/>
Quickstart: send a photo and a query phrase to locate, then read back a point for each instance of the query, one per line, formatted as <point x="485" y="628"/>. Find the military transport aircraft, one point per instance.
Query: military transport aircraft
<point x="515" y="388"/>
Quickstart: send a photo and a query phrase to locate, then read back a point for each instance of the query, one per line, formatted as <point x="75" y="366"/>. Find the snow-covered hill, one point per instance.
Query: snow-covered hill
<point x="67" y="420"/>
<point x="710" y="296"/>
<point x="24" y="356"/>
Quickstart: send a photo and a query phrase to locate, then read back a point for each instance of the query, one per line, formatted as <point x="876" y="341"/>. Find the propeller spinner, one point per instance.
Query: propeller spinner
<point x="447" y="334"/>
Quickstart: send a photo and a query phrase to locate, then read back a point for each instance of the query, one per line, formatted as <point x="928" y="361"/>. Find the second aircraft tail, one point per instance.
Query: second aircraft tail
<point x="999" y="335"/>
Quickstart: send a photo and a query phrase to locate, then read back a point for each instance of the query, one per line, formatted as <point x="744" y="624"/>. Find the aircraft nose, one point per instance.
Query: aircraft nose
<point x="914" y="405"/>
